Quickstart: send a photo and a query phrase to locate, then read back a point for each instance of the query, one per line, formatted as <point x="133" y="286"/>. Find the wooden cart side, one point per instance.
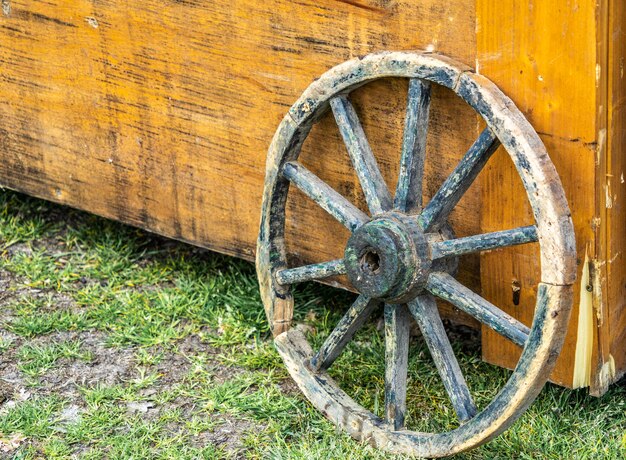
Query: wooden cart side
<point x="543" y="55"/>
<point x="564" y="67"/>
<point x="160" y="115"/>
<point x="612" y="362"/>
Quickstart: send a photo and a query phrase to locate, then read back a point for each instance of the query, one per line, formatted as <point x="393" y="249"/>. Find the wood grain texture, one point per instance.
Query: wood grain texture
<point x="397" y="341"/>
<point x="165" y="99"/>
<point x="159" y="114"/>
<point x="551" y="77"/>
<point x="613" y="357"/>
<point x="599" y="281"/>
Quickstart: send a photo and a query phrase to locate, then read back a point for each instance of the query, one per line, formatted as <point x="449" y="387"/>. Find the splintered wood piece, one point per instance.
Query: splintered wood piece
<point x="397" y="334"/>
<point x="349" y="324"/>
<point x="311" y="272"/>
<point x="424" y="310"/>
<point x="447" y="288"/>
<point x="408" y="195"/>
<point x="327" y="198"/>
<point x="486" y="242"/>
<point x="372" y="182"/>
<point x="438" y="208"/>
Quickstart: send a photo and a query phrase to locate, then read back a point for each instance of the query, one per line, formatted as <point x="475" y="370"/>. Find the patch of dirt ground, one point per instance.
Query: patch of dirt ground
<point x="108" y="366"/>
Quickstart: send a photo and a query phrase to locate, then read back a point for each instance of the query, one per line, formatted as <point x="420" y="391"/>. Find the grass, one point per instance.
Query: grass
<point x="121" y="345"/>
<point x="35" y="360"/>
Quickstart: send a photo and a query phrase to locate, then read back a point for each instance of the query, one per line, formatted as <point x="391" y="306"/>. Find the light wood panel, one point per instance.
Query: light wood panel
<point x="159" y="113"/>
<point x="543" y="56"/>
<point x="505" y="271"/>
<point x="614" y="365"/>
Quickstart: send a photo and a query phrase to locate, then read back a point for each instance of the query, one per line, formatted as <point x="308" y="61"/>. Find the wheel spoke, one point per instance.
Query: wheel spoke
<point x="311" y="272"/>
<point x="424" y="310"/>
<point x="484" y="242"/>
<point x="327" y="198"/>
<point x="351" y="322"/>
<point x="372" y="182"/>
<point x="397" y="328"/>
<point x="409" y="189"/>
<point x="446" y="198"/>
<point x="447" y="288"/>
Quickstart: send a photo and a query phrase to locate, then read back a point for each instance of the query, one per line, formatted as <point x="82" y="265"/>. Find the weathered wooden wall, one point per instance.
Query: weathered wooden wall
<point x="549" y="72"/>
<point x="159" y="113"/>
<point x="562" y="64"/>
<point x="613" y="360"/>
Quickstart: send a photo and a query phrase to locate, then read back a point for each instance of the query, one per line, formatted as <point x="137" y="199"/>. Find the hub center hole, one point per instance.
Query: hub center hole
<point x="370" y="262"/>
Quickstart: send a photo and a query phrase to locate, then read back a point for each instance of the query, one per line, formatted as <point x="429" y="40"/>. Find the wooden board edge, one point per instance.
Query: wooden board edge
<point x="599" y="377"/>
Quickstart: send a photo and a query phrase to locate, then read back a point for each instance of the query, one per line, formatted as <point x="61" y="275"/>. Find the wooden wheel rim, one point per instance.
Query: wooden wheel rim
<point x="553" y="226"/>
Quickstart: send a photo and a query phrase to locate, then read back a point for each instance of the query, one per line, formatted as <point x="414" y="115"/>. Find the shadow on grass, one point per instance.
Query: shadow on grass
<point x="184" y="365"/>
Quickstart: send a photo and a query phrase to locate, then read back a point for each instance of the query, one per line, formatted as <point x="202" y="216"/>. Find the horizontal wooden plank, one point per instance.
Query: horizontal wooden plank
<point x="159" y="114"/>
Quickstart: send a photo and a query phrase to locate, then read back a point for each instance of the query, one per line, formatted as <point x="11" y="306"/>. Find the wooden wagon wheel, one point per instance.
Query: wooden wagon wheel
<point x="403" y="256"/>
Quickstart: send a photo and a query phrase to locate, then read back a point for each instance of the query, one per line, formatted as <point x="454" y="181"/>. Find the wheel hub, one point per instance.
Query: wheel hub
<point x="388" y="258"/>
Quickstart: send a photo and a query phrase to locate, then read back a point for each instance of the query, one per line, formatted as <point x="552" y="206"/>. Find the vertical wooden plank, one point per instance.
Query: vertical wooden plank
<point x="159" y="114"/>
<point x="543" y="55"/>
<point x="598" y="270"/>
<point x="614" y="364"/>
